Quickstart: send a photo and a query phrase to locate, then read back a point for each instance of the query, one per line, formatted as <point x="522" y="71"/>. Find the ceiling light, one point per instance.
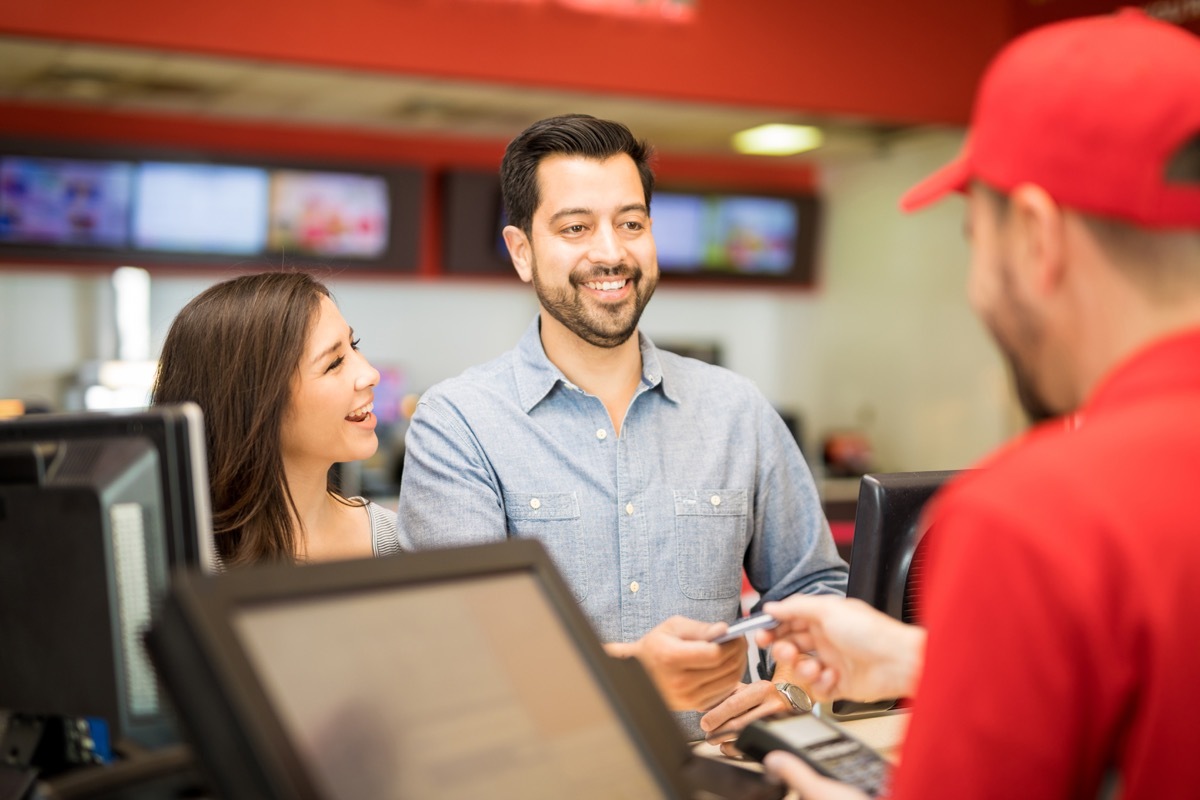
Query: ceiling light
<point x="777" y="140"/>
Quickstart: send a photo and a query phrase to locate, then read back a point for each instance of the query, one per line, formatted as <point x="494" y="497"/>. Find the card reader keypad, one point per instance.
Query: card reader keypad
<point x="851" y="762"/>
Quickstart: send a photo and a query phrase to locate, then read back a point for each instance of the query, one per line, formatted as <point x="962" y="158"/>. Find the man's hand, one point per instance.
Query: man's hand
<point x="858" y="653"/>
<point x="691" y="673"/>
<point x="750" y="701"/>
<point x="804" y="780"/>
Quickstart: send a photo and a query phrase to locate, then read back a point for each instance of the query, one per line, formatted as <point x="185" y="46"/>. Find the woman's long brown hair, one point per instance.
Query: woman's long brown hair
<point x="234" y="350"/>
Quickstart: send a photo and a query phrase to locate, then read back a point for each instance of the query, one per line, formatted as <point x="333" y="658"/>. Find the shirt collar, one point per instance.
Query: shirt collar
<point x="536" y="375"/>
<point x="1167" y="364"/>
<point x="655" y="372"/>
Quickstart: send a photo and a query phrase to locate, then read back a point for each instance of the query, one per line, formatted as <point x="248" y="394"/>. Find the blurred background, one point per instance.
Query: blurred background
<point x="148" y="150"/>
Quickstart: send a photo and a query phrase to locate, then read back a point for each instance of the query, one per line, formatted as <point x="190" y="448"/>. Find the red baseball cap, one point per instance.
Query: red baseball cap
<point x="1092" y="110"/>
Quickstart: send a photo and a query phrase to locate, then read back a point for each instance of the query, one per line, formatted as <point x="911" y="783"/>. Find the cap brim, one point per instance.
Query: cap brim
<point x="953" y="177"/>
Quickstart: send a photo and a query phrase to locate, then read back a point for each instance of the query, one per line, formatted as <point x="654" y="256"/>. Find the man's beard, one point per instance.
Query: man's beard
<point x="600" y="324"/>
<point x="1036" y="409"/>
<point x="1027" y="330"/>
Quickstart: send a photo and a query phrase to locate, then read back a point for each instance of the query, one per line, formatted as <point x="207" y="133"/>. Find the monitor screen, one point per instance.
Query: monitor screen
<point x="466" y="672"/>
<point x="679" y="222"/>
<point x="732" y="234"/>
<point x="504" y="709"/>
<point x="200" y="208"/>
<point x="753" y="235"/>
<point x="62" y="202"/>
<point x="328" y="214"/>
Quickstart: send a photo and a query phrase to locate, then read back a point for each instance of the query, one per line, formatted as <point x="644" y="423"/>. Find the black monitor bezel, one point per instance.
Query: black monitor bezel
<point x="177" y="432"/>
<point x="239" y="735"/>
<point x="887" y="533"/>
<point x="64" y="589"/>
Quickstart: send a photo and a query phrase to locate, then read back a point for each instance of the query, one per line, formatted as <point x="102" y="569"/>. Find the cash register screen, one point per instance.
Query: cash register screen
<point x="471" y="688"/>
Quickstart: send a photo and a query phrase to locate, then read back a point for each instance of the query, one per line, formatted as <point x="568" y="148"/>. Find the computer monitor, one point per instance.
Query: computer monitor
<point x="94" y="511"/>
<point x="466" y="672"/>
<point x="886" y="558"/>
<point x="177" y="435"/>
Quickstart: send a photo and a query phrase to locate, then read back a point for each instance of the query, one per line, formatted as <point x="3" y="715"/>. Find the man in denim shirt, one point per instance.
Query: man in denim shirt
<point x="651" y="479"/>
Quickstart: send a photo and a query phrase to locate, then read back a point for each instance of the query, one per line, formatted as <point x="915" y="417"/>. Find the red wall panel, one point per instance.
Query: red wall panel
<point x="916" y="60"/>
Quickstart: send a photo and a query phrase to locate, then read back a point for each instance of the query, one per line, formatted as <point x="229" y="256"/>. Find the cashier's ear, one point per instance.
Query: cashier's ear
<point x="1038" y="226"/>
<point x="520" y="251"/>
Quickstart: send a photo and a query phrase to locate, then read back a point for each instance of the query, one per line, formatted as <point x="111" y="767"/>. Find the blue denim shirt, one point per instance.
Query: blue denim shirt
<point x="705" y="479"/>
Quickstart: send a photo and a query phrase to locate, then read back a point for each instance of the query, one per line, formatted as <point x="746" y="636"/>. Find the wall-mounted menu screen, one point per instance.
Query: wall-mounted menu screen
<point x="164" y="208"/>
<point x="61" y="202"/>
<point x="200" y="208"/>
<point x="725" y="233"/>
<point x="678" y="225"/>
<point x="328" y="213"/>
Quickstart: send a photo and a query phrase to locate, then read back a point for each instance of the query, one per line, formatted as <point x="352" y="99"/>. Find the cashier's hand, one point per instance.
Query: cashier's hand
<point x="691" y="673"/>
<point x="804" y="780"/>
<point x="858" y="653"/>
<point x="749" y="702"/>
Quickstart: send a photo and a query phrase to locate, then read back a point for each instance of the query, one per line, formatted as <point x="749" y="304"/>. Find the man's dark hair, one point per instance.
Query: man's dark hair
<point x="1184" y="166"/>
<point x="567" y="135"/>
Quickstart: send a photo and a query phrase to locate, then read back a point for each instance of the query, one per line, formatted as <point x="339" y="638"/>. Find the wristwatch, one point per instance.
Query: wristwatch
<point x="795" y="695"/>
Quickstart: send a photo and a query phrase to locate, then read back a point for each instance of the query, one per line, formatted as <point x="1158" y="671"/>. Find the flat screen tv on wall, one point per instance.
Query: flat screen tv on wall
<point x="155" y="208"/>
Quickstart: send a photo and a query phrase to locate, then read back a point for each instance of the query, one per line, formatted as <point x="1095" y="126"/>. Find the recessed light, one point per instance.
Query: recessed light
<point x="777" y="140"/>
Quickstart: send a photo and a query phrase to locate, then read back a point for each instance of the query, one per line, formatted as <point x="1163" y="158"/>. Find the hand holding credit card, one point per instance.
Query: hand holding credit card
<point x="745" y="625"/>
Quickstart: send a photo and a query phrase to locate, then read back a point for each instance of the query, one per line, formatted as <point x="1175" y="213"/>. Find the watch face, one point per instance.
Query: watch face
<point x="796" y="695"/>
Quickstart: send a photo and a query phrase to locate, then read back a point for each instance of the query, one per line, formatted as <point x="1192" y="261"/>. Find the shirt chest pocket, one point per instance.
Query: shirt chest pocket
<point x="710" y="541"/>
<point x="553" y="519"/>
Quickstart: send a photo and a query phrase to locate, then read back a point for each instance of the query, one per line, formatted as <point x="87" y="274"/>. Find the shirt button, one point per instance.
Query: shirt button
<point x="629" y="509"/>
<point x="602" y="434"/>
<point x="715" y="499"/>
<point x="633" y="587"/>
<point x="535" y="503"/>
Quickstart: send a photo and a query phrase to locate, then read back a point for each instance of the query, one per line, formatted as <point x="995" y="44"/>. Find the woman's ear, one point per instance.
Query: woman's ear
<point x="520" y="251"/>
<point x="1039" y="231"/>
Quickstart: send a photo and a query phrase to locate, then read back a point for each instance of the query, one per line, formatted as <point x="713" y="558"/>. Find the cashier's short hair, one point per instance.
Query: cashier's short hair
<point x="1161" y="262"/>
<point x="568" y="135"/>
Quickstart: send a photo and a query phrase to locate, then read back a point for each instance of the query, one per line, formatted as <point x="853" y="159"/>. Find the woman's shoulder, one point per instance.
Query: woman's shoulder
<point x="385" y="531"/>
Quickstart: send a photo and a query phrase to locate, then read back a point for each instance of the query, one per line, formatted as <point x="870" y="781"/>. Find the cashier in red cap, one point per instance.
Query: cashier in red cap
<point x="1061" y="615"/>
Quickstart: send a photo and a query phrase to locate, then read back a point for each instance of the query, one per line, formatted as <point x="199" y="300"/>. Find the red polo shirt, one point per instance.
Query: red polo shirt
<point x="1063" y="603"/>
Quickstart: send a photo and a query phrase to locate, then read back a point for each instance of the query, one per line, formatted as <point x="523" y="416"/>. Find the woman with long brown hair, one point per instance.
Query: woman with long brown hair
<point x="285" y="395"/>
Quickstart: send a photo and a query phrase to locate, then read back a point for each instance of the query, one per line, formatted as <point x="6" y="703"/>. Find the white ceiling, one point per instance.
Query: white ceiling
<point x="35" y="70"/>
